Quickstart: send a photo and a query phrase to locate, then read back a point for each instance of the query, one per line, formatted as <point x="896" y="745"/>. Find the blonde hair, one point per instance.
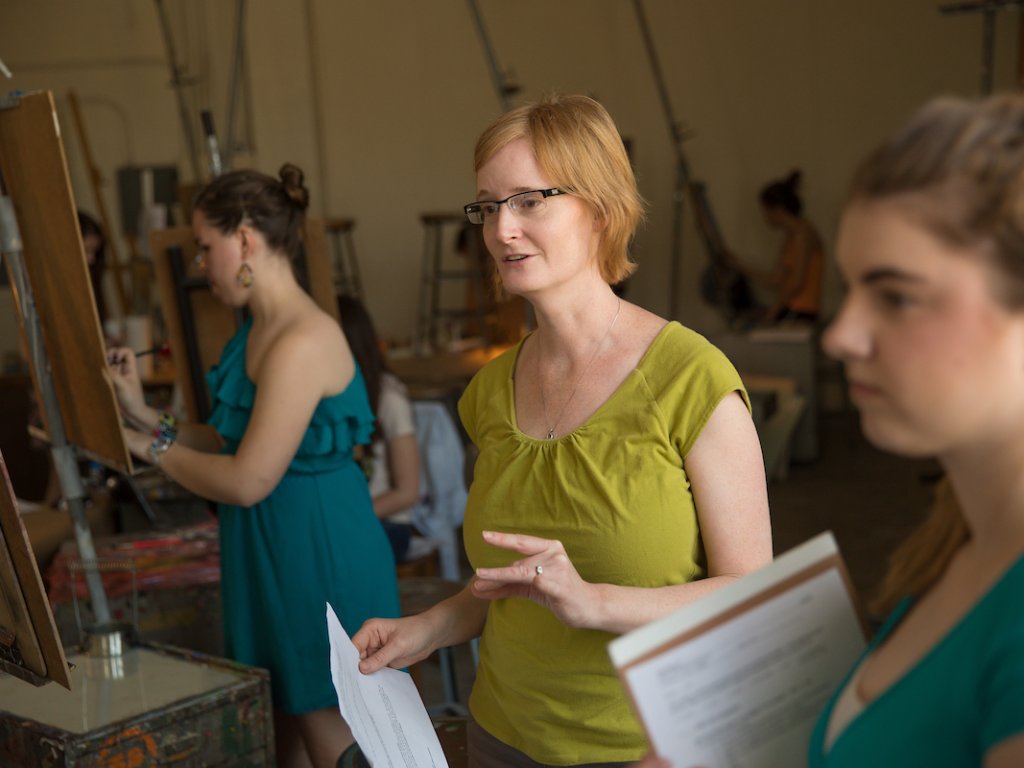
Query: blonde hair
<point x="921" y="558"/>
<point x="958" y="165"/>
<point x="578" y="147"/>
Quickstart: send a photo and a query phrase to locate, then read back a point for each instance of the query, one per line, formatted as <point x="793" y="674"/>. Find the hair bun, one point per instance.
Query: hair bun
<point x="292" y="180"/>
<point x="793" y="180"/>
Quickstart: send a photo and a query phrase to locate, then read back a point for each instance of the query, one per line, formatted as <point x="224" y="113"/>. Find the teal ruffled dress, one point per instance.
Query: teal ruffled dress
<point x="313" y="540"/>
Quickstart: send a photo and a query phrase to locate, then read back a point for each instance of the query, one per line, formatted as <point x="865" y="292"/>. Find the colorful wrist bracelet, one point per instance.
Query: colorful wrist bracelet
<point x="167" y="427"/>
<point x="159" y="447"/>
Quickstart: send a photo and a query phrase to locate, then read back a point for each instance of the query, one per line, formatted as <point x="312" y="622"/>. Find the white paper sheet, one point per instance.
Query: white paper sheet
<point x="384" y="710"/>
<point x="737" y="679"/>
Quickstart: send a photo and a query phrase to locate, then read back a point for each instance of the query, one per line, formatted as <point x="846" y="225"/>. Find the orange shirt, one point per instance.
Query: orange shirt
<point x="808" y="296"/>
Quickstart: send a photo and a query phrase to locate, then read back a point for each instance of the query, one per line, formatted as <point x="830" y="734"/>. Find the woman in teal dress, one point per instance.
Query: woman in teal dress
<point x="289" y="404"/>
<point x="931" y="334"/>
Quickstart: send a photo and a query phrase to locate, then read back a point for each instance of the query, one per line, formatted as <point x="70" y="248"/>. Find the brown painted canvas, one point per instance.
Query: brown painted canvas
<point x="30" y="647"/>
<point x="34" y="171"/>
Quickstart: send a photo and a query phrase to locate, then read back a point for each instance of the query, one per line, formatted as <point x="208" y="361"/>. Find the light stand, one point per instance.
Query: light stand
<point x="682" y="181"/>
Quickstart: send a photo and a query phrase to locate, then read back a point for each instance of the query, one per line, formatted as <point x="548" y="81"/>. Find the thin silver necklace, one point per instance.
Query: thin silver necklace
<point x="593" y="357"/>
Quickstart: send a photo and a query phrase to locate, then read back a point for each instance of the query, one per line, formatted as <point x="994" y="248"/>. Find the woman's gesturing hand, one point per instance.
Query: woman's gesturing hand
<point x="545" y="575"/>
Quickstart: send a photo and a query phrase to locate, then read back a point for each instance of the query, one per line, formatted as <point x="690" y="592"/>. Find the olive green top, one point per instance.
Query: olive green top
<point x="616" y="494"/>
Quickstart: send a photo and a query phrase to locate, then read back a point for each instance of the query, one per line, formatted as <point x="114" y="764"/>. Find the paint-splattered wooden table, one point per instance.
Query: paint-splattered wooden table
<point x="153" y="705"/>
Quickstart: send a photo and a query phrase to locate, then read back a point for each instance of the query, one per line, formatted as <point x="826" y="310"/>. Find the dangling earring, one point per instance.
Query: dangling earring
<point x="245" y="275"/>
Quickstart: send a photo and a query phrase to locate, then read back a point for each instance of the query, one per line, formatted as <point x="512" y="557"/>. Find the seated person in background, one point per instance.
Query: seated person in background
<point x="797" y="276"/>
<point x="392" y="463"/>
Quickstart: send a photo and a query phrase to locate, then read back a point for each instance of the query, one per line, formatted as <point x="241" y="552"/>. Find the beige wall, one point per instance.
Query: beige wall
<point x="380" y="102"/>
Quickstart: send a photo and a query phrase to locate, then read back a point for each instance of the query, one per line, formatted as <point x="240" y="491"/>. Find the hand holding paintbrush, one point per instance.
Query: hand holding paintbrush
<point x="124" y="374"/>
<point x="117" y="355"/>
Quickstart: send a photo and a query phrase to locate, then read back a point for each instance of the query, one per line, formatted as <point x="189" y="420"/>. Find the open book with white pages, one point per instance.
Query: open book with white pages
<point x="737" y="679"/>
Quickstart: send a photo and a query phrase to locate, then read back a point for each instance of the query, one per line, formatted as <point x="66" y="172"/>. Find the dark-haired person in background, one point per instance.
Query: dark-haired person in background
<point x="393" y="458"/>
<point x="297" y="528"/>
<point x="796" y="278"/>
<point x="95" y="245"/>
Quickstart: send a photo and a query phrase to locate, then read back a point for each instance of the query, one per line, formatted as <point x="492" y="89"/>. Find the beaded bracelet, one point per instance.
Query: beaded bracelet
<point x="164" y="436"/>
<point x="167" y="424"/>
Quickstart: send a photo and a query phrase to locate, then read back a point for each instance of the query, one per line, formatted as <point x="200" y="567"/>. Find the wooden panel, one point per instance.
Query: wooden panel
<point x="35" y="175"/>
<point x="214" y="322"/>
<point x="318" y="267"/>
<point x="24" y="610"/>
<point x="28" y="465"/>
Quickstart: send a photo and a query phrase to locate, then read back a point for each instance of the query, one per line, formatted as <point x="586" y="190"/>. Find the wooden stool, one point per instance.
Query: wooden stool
<point x="427" y="564"/>
<point x="416" y="595"/>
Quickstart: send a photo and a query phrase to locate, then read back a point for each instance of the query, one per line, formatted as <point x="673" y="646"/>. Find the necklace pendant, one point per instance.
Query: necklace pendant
<point x="551" y="434"/>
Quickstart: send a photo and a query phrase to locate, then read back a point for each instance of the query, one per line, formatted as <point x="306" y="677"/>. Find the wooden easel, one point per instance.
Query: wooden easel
<point x="45" y="261"/>
<point x="117" y="267"/>
<point x="30" y="646"/>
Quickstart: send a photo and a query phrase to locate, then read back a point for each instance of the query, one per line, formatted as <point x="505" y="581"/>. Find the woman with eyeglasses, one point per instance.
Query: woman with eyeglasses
<point x="619" y="473"/>
<point x="297" y="526"/>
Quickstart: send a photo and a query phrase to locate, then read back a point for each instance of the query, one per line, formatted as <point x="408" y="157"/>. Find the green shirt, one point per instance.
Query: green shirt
<point x="616" y="494"/>
<point x="964" y="697"/>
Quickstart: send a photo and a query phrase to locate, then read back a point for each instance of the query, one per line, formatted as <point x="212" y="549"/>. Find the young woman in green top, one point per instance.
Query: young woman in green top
<point x="931" y="333"/>
<point x="619" y="473"/>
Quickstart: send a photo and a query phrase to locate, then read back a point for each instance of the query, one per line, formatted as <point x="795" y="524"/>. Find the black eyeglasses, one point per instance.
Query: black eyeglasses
<point x="521" y="203"/>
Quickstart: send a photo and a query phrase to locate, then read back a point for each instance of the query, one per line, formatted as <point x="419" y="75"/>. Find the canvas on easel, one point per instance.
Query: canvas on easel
<point x="198" y="325"/>
<point x="45" y="261"/>
<point x="30" y="646"/>
<point x="33" y="167"/>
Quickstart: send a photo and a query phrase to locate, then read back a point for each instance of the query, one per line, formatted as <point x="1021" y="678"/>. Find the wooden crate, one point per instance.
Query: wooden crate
<point x="156" y="705"/>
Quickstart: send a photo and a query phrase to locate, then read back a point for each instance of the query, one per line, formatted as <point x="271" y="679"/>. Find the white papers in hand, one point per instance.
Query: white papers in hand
<point x="737" y="678"/>
<point x="384" y="710"/>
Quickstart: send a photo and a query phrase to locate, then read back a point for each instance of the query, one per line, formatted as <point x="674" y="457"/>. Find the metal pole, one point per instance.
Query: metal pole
<point x="988" y="49"/>
<point x="501" y="84"/>
<point x="236" y="76"/>
<point x="177" y="82"/>
<point x="682" y="181"/>
<point x="211" y="143"/>
<point x="319" y="146"/>
<point x="64" y="459"/>
<point x="988" y="9"/>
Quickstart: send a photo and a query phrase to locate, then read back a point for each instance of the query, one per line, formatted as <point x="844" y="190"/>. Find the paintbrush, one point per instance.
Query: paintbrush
<point x="163" y="350"/>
